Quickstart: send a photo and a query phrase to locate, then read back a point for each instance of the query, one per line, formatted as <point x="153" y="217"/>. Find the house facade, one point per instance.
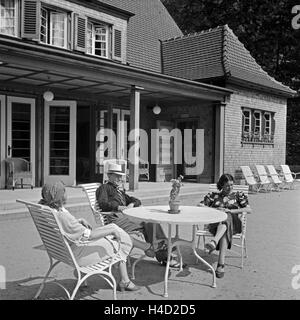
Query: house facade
<point x="72" y="69"/>
<point x="84" y="81"/>
<point x="255" y="113"/>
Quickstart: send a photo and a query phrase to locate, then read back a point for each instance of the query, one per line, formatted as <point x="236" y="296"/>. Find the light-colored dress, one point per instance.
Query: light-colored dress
<point x="88" y="252"/>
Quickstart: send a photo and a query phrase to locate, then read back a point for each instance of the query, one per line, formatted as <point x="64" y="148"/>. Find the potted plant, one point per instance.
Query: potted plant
<point x="174" y="194"/>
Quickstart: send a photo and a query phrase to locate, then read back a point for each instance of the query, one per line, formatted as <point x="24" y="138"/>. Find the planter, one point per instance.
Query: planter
<point x="174" y="206"/>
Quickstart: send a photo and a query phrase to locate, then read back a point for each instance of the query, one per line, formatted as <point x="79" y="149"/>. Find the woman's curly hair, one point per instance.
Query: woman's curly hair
<point x="226" y="177"/>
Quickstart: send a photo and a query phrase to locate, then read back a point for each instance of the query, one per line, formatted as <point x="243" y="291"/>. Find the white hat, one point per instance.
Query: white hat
<point x="115" y="168"/>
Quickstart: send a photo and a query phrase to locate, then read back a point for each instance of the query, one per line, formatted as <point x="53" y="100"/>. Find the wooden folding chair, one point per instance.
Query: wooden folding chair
<point x="277" y="182"/>
<point x="264" y="180"/>
<point x="59" y="250"/>
<point x="251" y="179"/>
<point x="241" y="237"/>
<point x="289" y="176"/>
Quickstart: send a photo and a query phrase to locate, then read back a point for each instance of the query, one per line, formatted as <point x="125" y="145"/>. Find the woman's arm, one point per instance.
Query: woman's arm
<point x="246" y="209"/>
<point x="104" y="231"/>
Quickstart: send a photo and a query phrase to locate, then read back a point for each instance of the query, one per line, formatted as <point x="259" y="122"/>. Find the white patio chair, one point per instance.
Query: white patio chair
<point x="277" y="182"/>
<point x="19" y="173"/>
<point x="289" y="176"/>
<point x="250" y="178"/>
<point x="239" y="239"/>
<point x="101" y="217"/>
<point x="265" y="182"/>
<point x="59" y="250"/>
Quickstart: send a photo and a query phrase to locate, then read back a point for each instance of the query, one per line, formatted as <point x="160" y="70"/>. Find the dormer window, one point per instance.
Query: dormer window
<point x="9" y="12"/>
<point x="54" y="27"/>
<point x="98" y="39"/>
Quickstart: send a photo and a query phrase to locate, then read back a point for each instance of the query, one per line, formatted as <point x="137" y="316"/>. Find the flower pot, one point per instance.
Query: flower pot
<point x="174" y="206"/>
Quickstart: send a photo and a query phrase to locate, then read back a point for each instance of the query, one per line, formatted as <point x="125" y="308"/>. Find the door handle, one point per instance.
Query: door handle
<point x="8" y="150"/>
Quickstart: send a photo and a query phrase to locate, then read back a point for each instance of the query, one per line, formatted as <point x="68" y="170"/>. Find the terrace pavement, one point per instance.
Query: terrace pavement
<point x="271" y="271"/>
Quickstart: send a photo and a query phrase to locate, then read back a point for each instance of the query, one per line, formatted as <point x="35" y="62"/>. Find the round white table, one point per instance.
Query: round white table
<point x="188" y="215"/>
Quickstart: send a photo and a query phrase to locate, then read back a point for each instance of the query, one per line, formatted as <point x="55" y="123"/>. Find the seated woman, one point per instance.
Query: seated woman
<point x="89" y="245"/>
<point x="234" y="204"/>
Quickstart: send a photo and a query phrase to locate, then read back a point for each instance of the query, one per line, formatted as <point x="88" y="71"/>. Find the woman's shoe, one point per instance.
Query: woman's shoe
<point x="128" y="286"/>
<point x="220" y="271"/>
<point x="211" y="246"/>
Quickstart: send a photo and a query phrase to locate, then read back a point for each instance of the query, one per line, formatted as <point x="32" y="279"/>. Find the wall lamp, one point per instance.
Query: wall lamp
<point x="156" y="109"/>
<point x="48" y="96"/>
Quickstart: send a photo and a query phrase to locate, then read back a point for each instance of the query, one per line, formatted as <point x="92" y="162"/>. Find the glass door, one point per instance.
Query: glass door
<point x="60" y="142"/>
<point x="111" y="144"/>
<point x="2" y="141"/>
<point x="20" y="130"/>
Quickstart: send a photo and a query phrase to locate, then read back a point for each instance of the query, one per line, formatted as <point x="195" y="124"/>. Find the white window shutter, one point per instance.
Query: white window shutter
<point x="117" y="44"/>
<point x="31" y="19"/>
<point x="80" y="33"/>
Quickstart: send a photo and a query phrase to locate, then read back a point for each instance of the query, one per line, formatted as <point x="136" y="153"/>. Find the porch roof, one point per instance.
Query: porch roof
<point x="35" y="68"/>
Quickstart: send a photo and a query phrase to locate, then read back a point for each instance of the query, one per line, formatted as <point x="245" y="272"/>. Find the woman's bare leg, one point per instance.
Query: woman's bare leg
<point x="220" y="232"/>
<point x="223" y="245"/>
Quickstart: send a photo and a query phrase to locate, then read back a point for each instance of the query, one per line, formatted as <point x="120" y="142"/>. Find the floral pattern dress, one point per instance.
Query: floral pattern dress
<point x="235" y="200"/>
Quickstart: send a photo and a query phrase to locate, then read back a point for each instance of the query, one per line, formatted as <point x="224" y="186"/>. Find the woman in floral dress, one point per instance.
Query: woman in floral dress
<point x="232" y="203"/>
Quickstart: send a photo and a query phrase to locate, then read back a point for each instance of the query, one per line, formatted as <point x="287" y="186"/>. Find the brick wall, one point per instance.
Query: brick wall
<point x="235" y="154"/>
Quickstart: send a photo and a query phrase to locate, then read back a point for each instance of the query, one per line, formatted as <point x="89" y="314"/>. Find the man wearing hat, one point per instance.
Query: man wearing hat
<point x="112" y="198"/>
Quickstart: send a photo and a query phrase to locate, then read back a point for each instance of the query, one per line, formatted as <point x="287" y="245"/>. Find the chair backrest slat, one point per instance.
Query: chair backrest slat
<point x="90" y="191"/>
<point x="236" y="187"/>
<point x="51" y="233"/>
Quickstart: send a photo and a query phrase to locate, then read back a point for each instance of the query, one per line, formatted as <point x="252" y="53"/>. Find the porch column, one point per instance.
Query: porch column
<point x="219" y="143"/>
<point x="133" y="163"/>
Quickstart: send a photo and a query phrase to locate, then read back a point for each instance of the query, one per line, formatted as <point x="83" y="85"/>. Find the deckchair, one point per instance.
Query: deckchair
<point x="100" y="216"/>
<point x="277" y="183"/>
<point x="241" y="237"/>
<point x="250" y="178"/>
<point x="289" y="176"/>
<point x="58" y="249"/>
<point x="265" y="182"/>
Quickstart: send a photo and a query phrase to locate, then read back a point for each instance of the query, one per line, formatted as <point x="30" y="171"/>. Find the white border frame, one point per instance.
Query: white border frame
<point x="70" y="179"/>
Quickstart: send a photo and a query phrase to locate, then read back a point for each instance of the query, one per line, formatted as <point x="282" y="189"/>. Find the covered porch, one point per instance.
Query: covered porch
<point x="93" y="92"/>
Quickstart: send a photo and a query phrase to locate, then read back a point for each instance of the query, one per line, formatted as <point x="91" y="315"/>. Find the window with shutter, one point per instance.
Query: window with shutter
<point x="117" y="51"/>
<point x="80" y="33"/>
<point x="9" y="12"/>
<point x="30" y="19"/>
